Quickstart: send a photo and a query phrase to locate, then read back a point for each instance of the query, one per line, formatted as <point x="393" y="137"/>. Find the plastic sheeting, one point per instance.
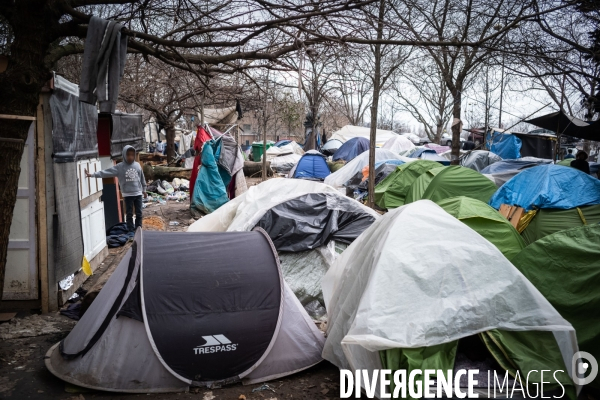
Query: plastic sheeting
<point x="74" y="124"/>
<point x="283" y="164"/>
<point x="243" y="212"/>
<point x="382" y="170"/>
<point x="350" y="131"/>
<point x="290" y="147"/>
<point x="549" y="186"/>
<point x="313" y="220"/>
<point x="514" y="165"/>
<point x="396" y="287"/>
<point x="479" y="159"/>
<point x="505" y="145"/>
<point x="398" y="144"/>
<point x="344" y="174"/>
<point x="127" y="129"/>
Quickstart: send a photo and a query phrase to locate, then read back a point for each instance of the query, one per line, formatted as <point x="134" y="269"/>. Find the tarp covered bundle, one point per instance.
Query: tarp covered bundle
<point x="157" y="329"/>
<point x="504" y="144"/>
<point x="352" y="148"/>
<point x="549" y="186"/>
<point x="396" y="290"/>
<point x="479" y="159"/>
<point x="565" y="268"/>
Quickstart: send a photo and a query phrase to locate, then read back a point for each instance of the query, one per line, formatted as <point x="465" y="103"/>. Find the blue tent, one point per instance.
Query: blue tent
<point x="353" y="147"/>
<point x="313" y="166"/>
<point x="505" y="145"/>
<point x="282" y="143"/>
<point x="549" y="186"/>
<point x="429" y="154"/>
<point x="512" y="165"/>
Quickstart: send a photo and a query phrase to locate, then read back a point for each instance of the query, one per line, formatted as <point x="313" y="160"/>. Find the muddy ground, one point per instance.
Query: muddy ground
<point x="23" y="374"/>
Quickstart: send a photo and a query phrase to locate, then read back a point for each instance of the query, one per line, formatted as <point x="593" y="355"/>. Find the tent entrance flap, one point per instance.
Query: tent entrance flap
<point x="226" y="320"/>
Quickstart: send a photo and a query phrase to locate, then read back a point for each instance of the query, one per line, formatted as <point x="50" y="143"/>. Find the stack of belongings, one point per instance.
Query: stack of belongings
<point x="220" y="177"/>
<point x="118" y="235"/>
<point x="283" y="157"/>
<point x="309" y="223"/>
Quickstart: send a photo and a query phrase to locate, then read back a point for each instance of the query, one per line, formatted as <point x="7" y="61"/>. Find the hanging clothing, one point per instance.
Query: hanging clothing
<point x="104" y="57"/>
<point x="201" y="137"/>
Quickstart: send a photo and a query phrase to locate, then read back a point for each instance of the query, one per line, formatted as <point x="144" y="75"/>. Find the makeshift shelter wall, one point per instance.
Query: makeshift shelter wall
<point x="536" y="146"/>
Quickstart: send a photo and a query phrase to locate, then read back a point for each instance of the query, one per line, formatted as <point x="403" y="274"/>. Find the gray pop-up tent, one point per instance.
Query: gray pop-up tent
<point x="187" y="309"/>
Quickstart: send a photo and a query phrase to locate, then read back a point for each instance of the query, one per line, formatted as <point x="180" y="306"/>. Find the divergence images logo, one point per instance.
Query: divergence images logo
<point x="584" y="372"/>
<point x="215" y="344"/>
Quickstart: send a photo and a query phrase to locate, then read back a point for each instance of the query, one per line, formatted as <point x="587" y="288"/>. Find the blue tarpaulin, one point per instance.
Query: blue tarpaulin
<point x="210" y="190"/>
<point x="549" y="186"/>
<point x="353" y="147"/>
<point x="312" y="165"/>
<point x="505" y="145"/>
<point x="429" y="154"/>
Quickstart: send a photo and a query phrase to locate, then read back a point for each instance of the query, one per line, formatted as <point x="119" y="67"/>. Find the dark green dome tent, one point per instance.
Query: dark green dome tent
<point x="420" y="185"/>
<point x="565" y="268"/>
<point x="486" y="221"/>
<point x="391" y="192"/>
<point x="551" y="220"/>
<point x="458" y="181"/>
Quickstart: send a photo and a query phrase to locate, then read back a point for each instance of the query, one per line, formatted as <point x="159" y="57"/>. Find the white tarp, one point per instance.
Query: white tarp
<point x="397" y="287"/>
<point x="290" y="148"/>
<point x="243" y="212"/>
<point x="350" y="131"/>
<point x="341" y="176"/>
<point x="398" y="144"/>
<point x="284" y="164"/>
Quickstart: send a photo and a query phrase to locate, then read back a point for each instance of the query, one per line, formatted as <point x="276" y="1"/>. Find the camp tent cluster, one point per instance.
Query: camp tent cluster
<point x="497" y="255"/>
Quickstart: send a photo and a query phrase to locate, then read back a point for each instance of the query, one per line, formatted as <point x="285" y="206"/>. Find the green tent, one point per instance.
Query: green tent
<point x="565" y="268"/>
<point x="566" y="163"/>
<point x="420" y="185"/>
<point x="458" y="181"/>
<point x="391" y="192"/>
<point x="548" y="221"/>
<point x="486" y="221"/>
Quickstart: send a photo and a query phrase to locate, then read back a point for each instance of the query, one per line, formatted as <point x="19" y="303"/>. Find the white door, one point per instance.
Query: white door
<point x="21" y="274"/>
<point x="92" y="214"/>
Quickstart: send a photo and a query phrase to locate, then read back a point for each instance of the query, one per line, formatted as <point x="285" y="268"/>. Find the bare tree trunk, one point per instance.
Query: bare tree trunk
<point x="375" y="106"/>
<point x="170" y="143"/>
<point x="20" y="86"/>
<point x="456" y="126"/>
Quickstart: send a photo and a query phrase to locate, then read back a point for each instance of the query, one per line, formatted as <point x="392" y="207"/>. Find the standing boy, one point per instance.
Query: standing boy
<point x="132" y="183"/>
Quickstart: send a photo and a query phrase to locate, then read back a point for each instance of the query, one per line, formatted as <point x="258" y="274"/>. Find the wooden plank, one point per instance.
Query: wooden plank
<point x="19" y="117"/>
<point x="83" y="203"/>
<point x="41" y="211"/>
